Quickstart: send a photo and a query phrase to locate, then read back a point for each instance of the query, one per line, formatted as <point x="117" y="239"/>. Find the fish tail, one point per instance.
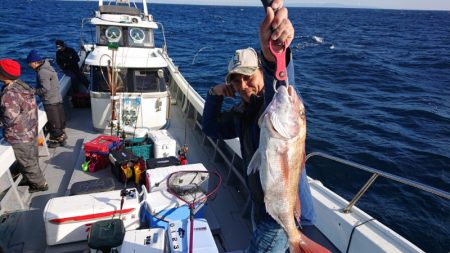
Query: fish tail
<point x="306" y="245"/>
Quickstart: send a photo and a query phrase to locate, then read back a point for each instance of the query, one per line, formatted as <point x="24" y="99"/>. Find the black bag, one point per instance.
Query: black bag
<point x="91" y="186"/>
<point x="162" y="162"/>
<point x="106" y="234"/>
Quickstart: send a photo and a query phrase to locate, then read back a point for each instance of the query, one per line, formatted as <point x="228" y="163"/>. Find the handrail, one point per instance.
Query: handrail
<point x="164" y="46"/>
<point x="375" y="174"/>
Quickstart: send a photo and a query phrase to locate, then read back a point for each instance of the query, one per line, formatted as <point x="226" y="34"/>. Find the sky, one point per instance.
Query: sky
<point x="384" y="4"/>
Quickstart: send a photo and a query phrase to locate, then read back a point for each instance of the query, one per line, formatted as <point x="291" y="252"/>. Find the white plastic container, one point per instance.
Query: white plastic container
<point x="144" y="241"/>
<point x="68" y="219"/>
<point x="161" y="208"/>
<point x="178" y="234"/>
<point x="164" y="144"/>
<point x="156" y="179"/>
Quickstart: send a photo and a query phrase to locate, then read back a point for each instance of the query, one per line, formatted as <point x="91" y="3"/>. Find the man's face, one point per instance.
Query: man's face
<point x="32" y="65"/>
<point x="5" y="80"/>
<point x="247" y="85"/>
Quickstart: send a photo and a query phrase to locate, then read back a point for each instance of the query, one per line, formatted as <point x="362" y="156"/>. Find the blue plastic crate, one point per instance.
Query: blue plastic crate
<point x="136" y="142"/>
<point x="144" y="151"/>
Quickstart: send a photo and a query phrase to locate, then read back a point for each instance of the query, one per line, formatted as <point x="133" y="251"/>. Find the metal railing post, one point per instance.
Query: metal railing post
<point x="360" y="193"/>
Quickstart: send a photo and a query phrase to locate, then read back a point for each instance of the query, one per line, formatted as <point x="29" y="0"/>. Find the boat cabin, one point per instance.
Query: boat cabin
<point x="126" y="63"/>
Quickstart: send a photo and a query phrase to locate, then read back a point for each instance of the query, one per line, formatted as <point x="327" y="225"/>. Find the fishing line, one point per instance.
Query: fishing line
<point x="319" y="39"/>
<point x="196" y="54"/>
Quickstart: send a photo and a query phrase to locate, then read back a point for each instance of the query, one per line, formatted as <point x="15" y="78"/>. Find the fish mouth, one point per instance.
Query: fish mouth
<point x="283" y="123"/>
<point x="287" y="92"/>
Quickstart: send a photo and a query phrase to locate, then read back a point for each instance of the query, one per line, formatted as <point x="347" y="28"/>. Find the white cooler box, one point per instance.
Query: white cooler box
<point x="144" y="241"/>
<point x="178" y="234"/>
<point x="161" y="208"/>
<point x="164" y="144"/>
<point x="68" y="219"/>
<point x="156" y="179"/>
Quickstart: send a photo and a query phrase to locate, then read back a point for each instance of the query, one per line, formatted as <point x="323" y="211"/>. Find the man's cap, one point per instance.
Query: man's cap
<point x="33" y="56"/>
<point x="59" y="43"/>
<point x="244" y="61"/>
<point x="9" y="69"/>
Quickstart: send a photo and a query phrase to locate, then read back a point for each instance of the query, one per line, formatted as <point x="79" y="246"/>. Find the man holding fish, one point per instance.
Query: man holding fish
<point x="273" y="149"/>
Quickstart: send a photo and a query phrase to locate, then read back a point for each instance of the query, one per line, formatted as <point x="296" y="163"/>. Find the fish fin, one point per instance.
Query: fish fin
<point x="306" y="245"/>
<point x="278" y="126"/>
<point x="254" y="164"/>
<point x="297" y="210"/>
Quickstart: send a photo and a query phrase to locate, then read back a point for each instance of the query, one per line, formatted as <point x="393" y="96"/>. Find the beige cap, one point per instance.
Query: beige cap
<point x="244" y="61"/>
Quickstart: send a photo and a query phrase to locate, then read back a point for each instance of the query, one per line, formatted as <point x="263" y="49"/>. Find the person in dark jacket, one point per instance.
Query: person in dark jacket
<point x="19" y="120"/>
<point x="67" y="60"/>
<point x="252" y="78"/>
<point x="48" y="89"/>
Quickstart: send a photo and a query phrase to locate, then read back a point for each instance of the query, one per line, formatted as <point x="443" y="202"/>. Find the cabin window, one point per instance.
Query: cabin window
<point x="125" y="36"/>
<point x="107" y="34"/>
<point x="140" y="37"/>
<point x="149" y="81"/>
<point x="130" y="80"/>
<point x="99" y="79"/>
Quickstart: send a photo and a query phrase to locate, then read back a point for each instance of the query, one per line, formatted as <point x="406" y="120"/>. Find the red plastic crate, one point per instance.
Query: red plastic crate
<point x="103" y="144"/>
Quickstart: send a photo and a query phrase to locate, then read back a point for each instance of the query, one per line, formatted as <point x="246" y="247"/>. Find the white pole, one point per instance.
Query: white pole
<point x="100" y="2"/>
<point x="144" y="3"/>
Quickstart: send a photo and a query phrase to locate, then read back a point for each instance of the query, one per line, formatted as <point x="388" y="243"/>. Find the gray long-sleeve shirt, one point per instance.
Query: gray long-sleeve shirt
<point x="48" y="84"/>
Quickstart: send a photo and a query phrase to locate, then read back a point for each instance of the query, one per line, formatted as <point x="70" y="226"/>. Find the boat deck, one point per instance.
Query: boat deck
<point x="62" y="168"/>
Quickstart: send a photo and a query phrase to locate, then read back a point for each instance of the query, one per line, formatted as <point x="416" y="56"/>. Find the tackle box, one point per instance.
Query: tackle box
<point x="69" y="218"/>
<point x="178" y="233"/>
<point x="155" y="179"/>
<point x="98" y="149"/>
<point x="119" y="158"/>
<point x="144" y="241"/>
<point x="103" y="144"/>
<point x="161" y="207"/>
<point x="154" y="163"/>
<point x="164" y="144"/>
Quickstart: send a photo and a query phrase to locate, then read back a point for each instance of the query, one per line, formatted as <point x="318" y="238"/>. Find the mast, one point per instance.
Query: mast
<point x="144" y="3"/>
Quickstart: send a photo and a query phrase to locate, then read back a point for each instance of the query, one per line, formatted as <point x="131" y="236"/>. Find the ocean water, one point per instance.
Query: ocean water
<point x="375" y="84"/>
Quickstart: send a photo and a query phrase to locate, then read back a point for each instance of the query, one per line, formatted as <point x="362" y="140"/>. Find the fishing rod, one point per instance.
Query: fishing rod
<point x="266" y="3"/>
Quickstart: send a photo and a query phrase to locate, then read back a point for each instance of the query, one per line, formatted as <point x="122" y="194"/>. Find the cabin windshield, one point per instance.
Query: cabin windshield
<point x="125" y="36"/>
<point x="129" y="80"/>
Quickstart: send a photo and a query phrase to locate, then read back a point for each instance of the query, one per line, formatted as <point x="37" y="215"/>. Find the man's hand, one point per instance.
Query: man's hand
<point x="223" y="90"/>
<point x="277" y="27"/>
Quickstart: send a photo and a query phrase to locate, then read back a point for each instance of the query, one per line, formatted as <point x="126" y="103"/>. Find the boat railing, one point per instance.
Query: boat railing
<point x="375" y="174"/>
<point x="164" y="45"/>
<point x="84" y="22"/>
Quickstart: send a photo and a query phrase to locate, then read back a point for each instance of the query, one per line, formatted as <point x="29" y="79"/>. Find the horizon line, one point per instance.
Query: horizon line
<point x="300" y="5"/>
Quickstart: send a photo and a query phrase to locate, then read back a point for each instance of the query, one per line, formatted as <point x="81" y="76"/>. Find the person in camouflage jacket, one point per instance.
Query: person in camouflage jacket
<point x="19" y="120"/>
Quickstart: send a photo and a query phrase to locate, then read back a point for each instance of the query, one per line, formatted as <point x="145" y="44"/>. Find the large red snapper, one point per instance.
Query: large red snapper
<point x="280" y="159"/>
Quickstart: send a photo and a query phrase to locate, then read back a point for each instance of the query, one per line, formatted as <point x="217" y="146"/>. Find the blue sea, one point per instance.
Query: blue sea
<point x="376" y="85"/>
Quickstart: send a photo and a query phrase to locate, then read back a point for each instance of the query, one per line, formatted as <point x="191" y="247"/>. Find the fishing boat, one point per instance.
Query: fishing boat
<point x="136" y="88"/>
